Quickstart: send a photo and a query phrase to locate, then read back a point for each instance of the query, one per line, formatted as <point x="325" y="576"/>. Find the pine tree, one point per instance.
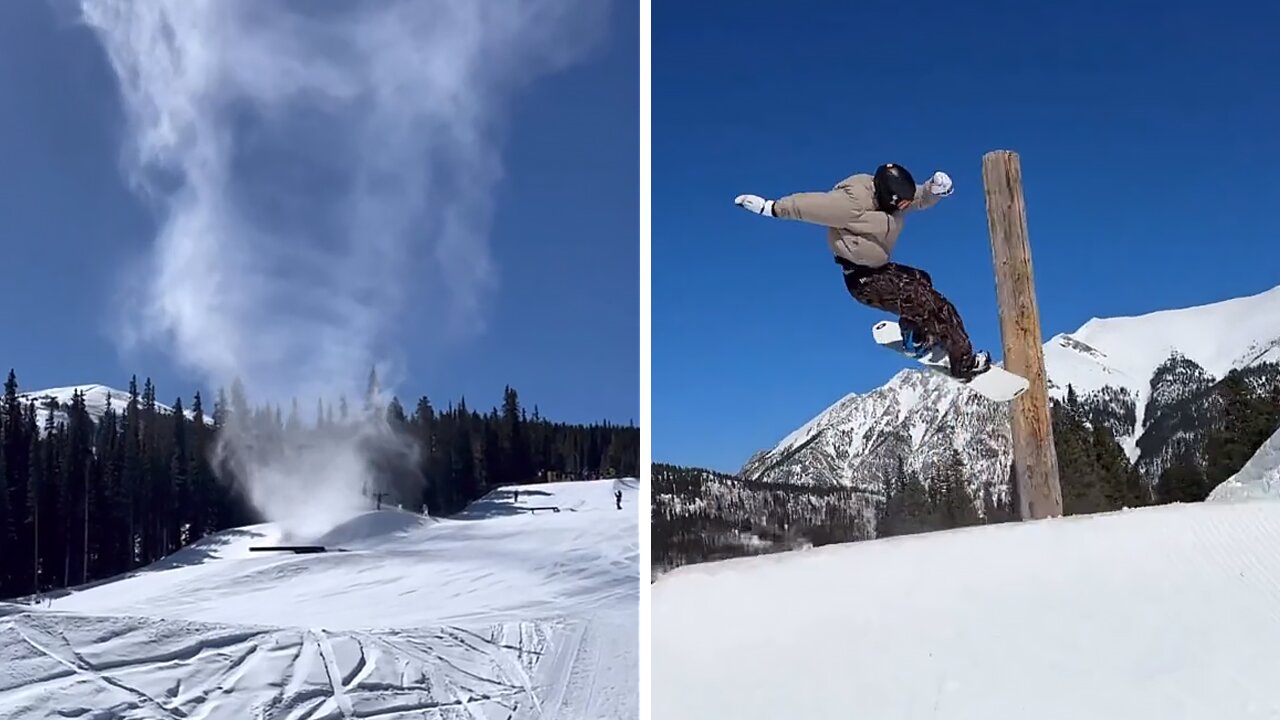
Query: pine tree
<point x="515" y="446"/>
<point x="6" y="532"/>
<point x="77" y="488"/>
<point x="908" y="509"/>
<point x="131" y="478"/>
<point x="16" y="450"/>
<point x="177" y="513"/>
<point x="35" y="486"/>
<point x="198" y="473"/>
<point x="1083" y="488"/>
<point x="373" y="392"/>
<point x="294" y="424"/>
<point x="1182" y="481"/>
<point x="395" y="414"/>
<point x="956" y="505"/>
<point x="1015" y="494"/>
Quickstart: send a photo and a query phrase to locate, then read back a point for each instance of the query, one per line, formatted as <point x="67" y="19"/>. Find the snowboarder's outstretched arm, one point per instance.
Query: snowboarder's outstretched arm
<point x="834" y="208"/>
<point x="841" y="206"/>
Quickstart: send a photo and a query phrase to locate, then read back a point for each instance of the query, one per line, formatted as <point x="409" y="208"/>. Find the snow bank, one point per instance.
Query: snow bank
<point x="1167" y="612"/>
<point x="374" y="527"/>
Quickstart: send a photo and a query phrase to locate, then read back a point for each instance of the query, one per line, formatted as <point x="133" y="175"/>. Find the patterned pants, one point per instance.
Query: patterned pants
<point x="908" y="293"/>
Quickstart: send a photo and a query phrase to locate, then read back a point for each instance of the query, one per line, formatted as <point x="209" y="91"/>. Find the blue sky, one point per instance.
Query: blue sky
<point x="562" y="328"/>
<point x="1149" y="152"/>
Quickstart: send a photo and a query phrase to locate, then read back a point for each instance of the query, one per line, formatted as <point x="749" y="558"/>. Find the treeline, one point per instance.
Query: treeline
<point x="940" y="499"/>
<point x="87" y="495"/>
<point x="701" y="515"/>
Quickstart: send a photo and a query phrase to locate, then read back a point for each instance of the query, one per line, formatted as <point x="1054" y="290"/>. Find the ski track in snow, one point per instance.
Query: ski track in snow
<point x="505" y="614"/>
<point x="1168" y="612"/>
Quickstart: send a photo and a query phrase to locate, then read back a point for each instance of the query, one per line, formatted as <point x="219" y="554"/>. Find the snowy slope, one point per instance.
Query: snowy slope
<point x="95" y="399"/>
<point x="1167" y="612"/>
<point x="509" y="610"/>
<point x="1258" y="479"/>
<point x="916" y="415"/>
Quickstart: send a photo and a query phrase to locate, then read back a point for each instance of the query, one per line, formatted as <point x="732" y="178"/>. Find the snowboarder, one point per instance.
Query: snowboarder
<point x="863" y="215"/>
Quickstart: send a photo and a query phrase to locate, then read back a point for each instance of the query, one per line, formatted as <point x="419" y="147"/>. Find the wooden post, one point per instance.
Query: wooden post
<point x="1035" y="463"/>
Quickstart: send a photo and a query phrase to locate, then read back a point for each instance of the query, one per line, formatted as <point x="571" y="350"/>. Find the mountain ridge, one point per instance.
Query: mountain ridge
<point x="96" y="396"/>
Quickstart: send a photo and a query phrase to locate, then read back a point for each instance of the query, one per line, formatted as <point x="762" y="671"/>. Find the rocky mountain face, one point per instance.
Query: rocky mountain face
<point x="1154" y="381"/>
<point x="1196" y="390"/>
<point x="907" y="423"/>
<point x="1192" y="406"/>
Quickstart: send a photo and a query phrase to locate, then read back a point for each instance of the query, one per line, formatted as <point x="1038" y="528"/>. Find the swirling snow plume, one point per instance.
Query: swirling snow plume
<point x="310" y="164"/>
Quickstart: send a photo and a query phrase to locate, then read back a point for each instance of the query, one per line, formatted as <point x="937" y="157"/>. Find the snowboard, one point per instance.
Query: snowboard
<point x="995" y="383"/>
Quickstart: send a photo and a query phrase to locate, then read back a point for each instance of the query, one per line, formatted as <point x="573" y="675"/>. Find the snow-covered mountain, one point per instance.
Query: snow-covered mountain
<point x="1124" y="353"/>
<point x="1128" y="370"/>
<point x="58" y="400"/>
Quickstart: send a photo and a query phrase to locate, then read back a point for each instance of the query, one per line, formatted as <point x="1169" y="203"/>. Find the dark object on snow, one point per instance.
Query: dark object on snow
<point x="552" y="508"/>
<point x="617" y="495"/>
<point x="297" y="549"/>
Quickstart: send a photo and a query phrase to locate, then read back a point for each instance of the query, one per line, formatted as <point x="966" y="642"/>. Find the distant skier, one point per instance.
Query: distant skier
<point x="617" y="496"/>
<point x="864" y="215"/>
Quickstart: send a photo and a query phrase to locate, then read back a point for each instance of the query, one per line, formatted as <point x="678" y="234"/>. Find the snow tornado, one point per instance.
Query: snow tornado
<point x="307" y="161"/>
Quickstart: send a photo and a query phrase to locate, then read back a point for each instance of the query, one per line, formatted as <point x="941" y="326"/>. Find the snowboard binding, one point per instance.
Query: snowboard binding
<point x="981" y="364"/>
<point x="919" y="345"/>
<point x="914" y="342"/>
<point x="983" y="376"/>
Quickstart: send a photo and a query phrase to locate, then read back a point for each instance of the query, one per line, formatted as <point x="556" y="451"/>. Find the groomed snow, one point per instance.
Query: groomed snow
<point x="508" y="611"/>
<point x="1166" y="612"/>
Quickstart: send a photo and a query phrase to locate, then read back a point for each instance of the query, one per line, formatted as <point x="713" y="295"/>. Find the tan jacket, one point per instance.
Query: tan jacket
<point x="856" y="230"/>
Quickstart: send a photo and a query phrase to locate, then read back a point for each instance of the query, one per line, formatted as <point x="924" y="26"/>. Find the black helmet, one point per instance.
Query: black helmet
<point x="893" y="184"/>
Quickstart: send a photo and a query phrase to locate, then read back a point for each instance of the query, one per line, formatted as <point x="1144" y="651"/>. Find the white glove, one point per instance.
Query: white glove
<point x="940" y="184"/>
<point x="755" y="204"/>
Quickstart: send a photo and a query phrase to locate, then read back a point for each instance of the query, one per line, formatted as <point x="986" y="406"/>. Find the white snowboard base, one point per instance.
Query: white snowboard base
<point x="995" y="383"/>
